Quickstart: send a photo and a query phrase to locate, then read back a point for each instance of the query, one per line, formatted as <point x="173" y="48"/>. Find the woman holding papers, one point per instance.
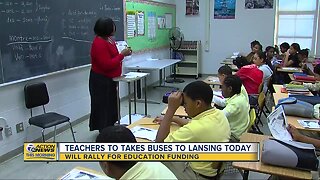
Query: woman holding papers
<point x="106" y="64"/>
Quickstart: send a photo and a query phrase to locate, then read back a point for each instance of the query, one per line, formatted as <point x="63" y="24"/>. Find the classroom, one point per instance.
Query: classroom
<point x="259" y="60"/>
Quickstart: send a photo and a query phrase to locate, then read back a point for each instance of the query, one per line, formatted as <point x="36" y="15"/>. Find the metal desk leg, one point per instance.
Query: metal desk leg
<point x="246" y="175"/>
<point x="129" y="100"/>
<point x="145" y="96"/>
<point x="134" y="97"/>
<point x="160" y="76"/>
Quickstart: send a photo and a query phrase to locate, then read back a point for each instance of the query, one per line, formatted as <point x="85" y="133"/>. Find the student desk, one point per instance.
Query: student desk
<point x="228" y="61"/>
<point x="212" y="80"/>
<point x="264" y="168"/>
<point x="289" y="69"/>
<point x="293" y="79"/>
<point x="179" y="112"/>
<point x="291" y="119"/>
<point x="128" y="78"/>
<point x="148" y="122"/>
<point x="154" y="65"/>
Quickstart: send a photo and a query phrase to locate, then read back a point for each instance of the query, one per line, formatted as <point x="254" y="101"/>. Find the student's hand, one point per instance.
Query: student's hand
<point x="295" y="133"/>
<point x="175" y="100"/>
<point x="126" y="52"/>
<point x="158" y="119"/>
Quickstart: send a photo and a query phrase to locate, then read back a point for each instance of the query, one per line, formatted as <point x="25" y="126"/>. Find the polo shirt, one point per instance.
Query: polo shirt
<point x="148" y="170"/>
<point x="237" y="113"/>
<point x="208" y="126"/>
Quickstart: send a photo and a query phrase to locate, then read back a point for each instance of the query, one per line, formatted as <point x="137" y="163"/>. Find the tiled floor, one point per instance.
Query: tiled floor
<point x="17" y="169"/>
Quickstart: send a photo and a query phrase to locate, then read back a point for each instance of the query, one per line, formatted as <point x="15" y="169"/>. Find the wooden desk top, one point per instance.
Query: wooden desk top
<point x="291" y="119"/>
<point x="212" y="80"/>
<point x="180" y="112"/>
<point x="268" y="169"/>
<point x="289" y="69"/>
<point x="148" y="122"/>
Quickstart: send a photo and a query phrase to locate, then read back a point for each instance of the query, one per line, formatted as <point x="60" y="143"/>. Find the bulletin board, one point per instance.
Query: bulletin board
<point x="152" y="38"/>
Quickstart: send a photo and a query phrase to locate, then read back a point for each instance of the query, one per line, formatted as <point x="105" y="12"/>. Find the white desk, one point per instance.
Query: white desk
<point x="128" y="78"/>
<point x="154" y="65"/>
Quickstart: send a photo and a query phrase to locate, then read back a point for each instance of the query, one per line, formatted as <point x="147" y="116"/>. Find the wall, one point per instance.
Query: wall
<point x="69" y="95"/>
<point x="225" y="36"/>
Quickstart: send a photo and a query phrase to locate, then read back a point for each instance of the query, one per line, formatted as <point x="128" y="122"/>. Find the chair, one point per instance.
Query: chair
<point x="261" y="104"/>
<point x="36" y="94"/>
<point x="253" y="128"/>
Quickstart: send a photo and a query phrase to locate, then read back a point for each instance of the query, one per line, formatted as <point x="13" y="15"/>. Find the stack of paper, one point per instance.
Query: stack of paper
<point x="296" y="89"/>
<point x="144" y="133"/>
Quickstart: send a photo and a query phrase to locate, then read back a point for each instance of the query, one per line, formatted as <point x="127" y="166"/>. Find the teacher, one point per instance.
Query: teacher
<point x="106" y="63"/>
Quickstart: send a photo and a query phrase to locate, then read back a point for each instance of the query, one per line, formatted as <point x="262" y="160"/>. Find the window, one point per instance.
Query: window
<point x="297" y="21"/>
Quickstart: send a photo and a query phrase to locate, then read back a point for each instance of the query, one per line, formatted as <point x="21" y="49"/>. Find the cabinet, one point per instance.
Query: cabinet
<point x="189" y="53"/>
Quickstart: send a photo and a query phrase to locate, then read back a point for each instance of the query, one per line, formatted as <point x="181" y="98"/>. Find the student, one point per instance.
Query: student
<point x="313" y="87"/>
<point x="223" y="72"/>
<point x="208" y="124"/>
<point x="255" y="47"/>
<point x="237" y="106"/>
<point x="106" y="63"/>
<point x="291" y="56"/>
<point x="129" y="169"/>
<point x="303" y="58"/>
<point x="283" y="49"/>
<point x="259" y="59"/>
<point x="250" y="75"/>
<point x="270" y="57"/>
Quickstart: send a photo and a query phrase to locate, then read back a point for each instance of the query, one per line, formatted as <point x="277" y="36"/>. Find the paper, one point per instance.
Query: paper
<point x="82" y="174"/>
<point x="133" y="75"/>
<point x="218" y="93"/>
<point x="144" y="133"/>
<point x="312" y="124"/>
<point x="131" y="25"/>
<point x="168" y="20"/>
<point x="277" y="123"/>
<point x="140" y="16"/>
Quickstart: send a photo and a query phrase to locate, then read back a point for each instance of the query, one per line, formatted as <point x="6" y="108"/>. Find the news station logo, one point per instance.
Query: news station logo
<point x="40" y="151"/>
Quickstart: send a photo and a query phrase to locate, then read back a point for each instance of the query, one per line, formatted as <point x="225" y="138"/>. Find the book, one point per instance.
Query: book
<point x="84" y="173"/>
<point x="311" y="124"/>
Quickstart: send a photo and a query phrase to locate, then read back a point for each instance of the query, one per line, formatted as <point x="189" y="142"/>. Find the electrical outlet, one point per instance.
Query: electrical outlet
<point x="7" y="131"/>
<point x="19" y="127"/>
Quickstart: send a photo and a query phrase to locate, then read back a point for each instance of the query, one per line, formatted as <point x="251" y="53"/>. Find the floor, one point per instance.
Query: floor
<point x="17" y="169"/>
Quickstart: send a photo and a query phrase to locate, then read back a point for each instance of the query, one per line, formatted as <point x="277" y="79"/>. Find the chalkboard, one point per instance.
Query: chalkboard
<point x="42" y="36"/>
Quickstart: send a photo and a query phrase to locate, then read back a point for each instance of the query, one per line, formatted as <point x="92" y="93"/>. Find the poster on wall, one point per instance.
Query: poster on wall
<point x="161" y="22"/>
<point x="192" y="7"/>
<point x="140" y="16"/>
<point x="152" y="26"/>
<point x="224" y="9"/>
<point x="259" y="4"/>
<point x="131" y="24"/>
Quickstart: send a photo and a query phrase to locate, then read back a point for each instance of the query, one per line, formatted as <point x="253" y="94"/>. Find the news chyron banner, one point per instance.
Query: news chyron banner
<point x="142" y="152"/>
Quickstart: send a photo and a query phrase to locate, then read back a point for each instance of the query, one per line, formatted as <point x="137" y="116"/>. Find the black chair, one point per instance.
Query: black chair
<point x="36" y="94"/>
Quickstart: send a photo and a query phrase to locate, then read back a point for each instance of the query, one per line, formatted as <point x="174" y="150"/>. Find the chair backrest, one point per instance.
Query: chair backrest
<point x="36" y="94"/>
<point x="253" y="116"/>
<point x="261" y="100"/>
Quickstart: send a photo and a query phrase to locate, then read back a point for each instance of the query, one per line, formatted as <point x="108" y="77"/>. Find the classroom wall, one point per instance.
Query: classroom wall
<point x="69" y="95"/>
<point x="226" y="35"/>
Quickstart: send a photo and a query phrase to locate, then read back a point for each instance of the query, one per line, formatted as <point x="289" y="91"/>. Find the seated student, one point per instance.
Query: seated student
<point x="250" y="75"/>
<point x="129" y="169"/>
<point x="259" y="59"/>
<point x="270" y="57"/>
<point x="283" y="49"/>
<point x="303" y="58"/>
<point x="255" y="47"/>
<point x="208" y="124"/>
<point x="291" y="56"/>
<point x="223" y="72"/>
<point x="237" y="106"/>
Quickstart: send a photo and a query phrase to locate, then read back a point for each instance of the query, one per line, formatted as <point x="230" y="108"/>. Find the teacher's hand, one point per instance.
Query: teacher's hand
<point x="126" y="52"/>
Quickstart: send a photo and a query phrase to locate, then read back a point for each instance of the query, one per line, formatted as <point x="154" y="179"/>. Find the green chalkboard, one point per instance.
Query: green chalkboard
<point x="156" y="10"/>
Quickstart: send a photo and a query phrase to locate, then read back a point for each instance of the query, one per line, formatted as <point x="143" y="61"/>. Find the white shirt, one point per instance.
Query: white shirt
<point x="267" y="73"/>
